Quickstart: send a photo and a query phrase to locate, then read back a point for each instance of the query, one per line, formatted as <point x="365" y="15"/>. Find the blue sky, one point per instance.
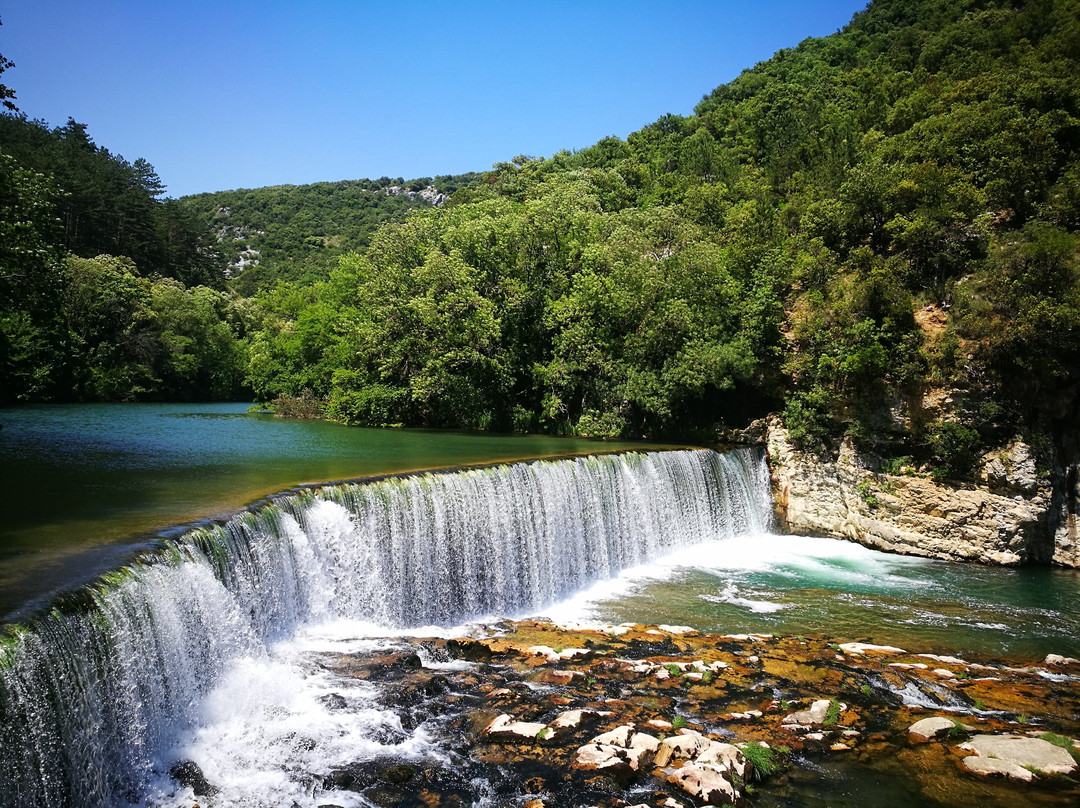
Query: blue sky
<point x="246" y="93"/>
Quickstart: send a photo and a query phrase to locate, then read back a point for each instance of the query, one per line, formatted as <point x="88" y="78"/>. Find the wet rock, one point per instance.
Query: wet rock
<point x="334" y="701"/>
<point x="468" y="649"/>
<point x="557" y="677"/>
<point x="934" y="727"/>
<point x="385" y="796"/>
<point x="867" y="648"/>
<point x="187" y="773"/>
<point x="505" y="728"/>
<point x="1003" y="754"/>
<point x="396" y="775"/>
<point x="706" y="782"/>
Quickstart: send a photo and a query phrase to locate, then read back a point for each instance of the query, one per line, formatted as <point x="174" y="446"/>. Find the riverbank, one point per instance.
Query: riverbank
<point x="1012" y="513"/>
<point x="541" y="715"/>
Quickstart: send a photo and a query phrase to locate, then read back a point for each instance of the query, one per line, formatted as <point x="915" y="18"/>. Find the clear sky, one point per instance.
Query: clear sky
<point x="244" y="93"/>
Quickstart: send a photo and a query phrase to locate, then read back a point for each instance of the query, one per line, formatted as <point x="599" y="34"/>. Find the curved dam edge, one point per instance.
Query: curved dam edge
<point x="1013" y="517"/>
<point x="144" y="545"/>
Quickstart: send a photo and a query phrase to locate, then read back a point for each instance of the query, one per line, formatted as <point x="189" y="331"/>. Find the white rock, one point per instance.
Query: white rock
<point x="724" y="755"/>
<point x="858" y="648"/>
<point x="504" y="727"/>
<point x="705" y="782"/>
<point x="930" y="728"/>
<point x="620" y="736"/>
<point x="542" y="651"/>
<point x="983" y="765"/>
<point x="1021" y="751"/>
<point x="1058" y="659"/>
<point x="948" y="660"/>
<point x="597" y="757"/>
<point x="815" y="715"/>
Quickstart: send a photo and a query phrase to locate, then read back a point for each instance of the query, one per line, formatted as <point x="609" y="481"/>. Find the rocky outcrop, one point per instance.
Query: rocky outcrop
<point x="432" y="195"/>
<point x="1010" y="518"/>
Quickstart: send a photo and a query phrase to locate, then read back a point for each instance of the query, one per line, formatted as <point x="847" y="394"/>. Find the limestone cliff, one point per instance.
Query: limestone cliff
<point x="1012" y="516"/>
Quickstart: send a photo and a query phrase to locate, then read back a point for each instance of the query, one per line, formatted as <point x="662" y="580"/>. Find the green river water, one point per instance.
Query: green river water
<point x="86" y="485"/>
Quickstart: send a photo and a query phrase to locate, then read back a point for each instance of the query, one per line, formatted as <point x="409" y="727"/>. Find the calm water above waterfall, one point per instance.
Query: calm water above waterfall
<point x="79" y="480"/>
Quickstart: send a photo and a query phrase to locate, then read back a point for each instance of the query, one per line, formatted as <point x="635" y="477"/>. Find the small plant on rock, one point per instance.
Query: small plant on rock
<point x="957" y="732"/>
<point x="866" y="494"/>
<point x="678" y="722"/>
<point x="1062" y="741"/>
<point x="832" y="714"/>
<point x="764" y="761"/>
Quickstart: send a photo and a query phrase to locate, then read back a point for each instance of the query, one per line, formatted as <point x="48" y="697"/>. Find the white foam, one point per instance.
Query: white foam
<point x="730" y="594"/>
<point x="270" y="728"/>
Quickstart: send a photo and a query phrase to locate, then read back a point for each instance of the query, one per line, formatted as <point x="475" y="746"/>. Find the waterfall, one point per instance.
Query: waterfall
<point x="94" y="693"/>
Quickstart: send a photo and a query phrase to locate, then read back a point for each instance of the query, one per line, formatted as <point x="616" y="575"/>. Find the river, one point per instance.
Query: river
<point x="203" y="650"/>
<point x="85" y="486"/>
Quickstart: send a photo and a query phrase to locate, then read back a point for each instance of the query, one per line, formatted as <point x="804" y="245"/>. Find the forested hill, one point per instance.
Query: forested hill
<point x="298" y="232"/>
<point x="873" y="232"/>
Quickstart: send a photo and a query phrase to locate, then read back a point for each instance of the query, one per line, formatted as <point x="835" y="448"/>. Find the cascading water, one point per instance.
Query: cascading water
<point x="93" y="697"/>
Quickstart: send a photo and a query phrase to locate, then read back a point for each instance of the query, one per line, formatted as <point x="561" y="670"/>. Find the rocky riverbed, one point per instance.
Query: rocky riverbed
<point x="533" y="714"/>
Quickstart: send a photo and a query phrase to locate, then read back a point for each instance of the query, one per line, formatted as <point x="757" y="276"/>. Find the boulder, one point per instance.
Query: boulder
<point x="620" y="750"/>
<point x="859" y="648"/>
<point x="934" y="727"/>
<point x="505" y="728"/>
<point x="1006" y="754"/>
<point x="188" y="773"/>
<point x="705" y="782"/>
<point x="1058" y="659"/>
<point x="814" y="716"/>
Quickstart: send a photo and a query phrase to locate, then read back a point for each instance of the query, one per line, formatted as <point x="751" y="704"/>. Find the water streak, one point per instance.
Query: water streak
<point x="94" y="696"/>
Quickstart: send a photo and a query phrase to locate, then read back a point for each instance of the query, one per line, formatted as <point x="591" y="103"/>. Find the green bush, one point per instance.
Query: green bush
<point x="955" y="448"/>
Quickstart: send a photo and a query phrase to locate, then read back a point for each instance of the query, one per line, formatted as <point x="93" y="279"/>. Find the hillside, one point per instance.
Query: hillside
<point x="874" y="231"/>
<point x="297" y="232"/>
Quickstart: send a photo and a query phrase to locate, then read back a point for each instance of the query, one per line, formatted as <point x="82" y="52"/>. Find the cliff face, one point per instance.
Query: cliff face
<point x="1013" y="516"/>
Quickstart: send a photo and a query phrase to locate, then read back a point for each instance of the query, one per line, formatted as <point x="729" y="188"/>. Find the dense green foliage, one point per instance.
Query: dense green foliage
<point x="874" y="232"/>
<point x="109" y="206"/>
<point x="93" y="267"/>
<point x="298" y="232"/>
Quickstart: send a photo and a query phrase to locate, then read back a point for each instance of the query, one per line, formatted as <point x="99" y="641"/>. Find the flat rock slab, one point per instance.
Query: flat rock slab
<point x="859" y="648"/>
<point x="1018" y="750"/>
<point x="505" y="728"/>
